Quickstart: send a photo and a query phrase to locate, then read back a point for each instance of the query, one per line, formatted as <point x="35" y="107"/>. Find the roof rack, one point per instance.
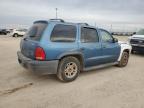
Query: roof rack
<point x="61" y="20"/>
<point x="86" y="24"/>
<point x="41" y="21"/>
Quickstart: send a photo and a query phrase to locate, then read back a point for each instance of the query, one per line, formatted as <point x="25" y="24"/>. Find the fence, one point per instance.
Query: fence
<point x="110" y="27"/>
<point x="121" y="27"/>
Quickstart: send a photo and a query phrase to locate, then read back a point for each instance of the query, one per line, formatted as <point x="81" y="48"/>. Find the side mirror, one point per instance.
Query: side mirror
<point x="115" y="40"/>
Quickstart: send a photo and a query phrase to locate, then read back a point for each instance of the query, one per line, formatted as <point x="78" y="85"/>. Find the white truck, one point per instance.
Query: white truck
<point x="137" y="41"/>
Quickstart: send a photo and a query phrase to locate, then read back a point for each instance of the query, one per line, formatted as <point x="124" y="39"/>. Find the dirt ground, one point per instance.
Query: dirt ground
<point x="110" y="87"/>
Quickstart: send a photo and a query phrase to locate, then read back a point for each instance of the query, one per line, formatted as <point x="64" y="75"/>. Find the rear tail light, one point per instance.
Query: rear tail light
<point x="40" y="54"/>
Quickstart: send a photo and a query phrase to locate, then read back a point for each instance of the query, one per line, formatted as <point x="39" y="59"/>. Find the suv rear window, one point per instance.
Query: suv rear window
<point x="36" y="31"/>
<point x="63" y="33"/>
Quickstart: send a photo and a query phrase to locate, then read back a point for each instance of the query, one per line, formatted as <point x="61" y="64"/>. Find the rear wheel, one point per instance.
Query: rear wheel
<point x="124" y="59"/>
<point x="69" y="69"/>
<point x="15" y="35"/>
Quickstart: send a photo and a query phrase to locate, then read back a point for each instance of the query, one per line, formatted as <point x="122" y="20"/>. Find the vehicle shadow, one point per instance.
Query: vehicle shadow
<point x="53" y="78"/>
<point x="29" y="76"/>
<point x="37" y="77"/>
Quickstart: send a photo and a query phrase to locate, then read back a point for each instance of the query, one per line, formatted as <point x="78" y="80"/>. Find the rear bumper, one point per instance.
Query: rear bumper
<point x="38" y="67"/>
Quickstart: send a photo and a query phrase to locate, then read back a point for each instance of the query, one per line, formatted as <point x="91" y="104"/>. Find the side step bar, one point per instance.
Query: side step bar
<point x="100" y="66"/>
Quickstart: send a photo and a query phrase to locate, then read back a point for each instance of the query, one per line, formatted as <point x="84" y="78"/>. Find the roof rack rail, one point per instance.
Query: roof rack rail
<point x="86" y="24"/>
<point x="61" y="20"/>
<point x="40" y="21"/>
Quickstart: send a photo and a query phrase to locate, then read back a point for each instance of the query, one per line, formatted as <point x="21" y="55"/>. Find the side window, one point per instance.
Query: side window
<point x="63" y="33"/>
<point x="106" y="37"/>
<point x="89" y="35"/>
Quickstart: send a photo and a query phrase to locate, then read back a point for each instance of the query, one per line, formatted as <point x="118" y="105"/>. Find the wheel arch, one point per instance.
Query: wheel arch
<point x="76" y="55"/>
<point x="127" y="50"/>
<point x="124" y="48"/>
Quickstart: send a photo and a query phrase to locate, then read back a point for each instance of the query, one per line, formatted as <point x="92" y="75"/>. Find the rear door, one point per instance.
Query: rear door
<point x="110" y="49"/>
<point x="90" y="46"/>
<point x="32" y="39"/>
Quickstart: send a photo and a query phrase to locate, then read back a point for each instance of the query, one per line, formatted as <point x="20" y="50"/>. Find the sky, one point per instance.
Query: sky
<point x="91" y="11"/>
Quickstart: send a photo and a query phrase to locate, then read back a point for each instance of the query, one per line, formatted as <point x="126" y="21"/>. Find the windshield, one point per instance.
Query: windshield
<point x="141" y="32"/>
<point x="36" y="31"/>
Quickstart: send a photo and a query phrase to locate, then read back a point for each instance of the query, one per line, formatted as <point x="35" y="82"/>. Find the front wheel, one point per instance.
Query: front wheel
<point x="124" y="59"/>
<point x="69" y="69"/>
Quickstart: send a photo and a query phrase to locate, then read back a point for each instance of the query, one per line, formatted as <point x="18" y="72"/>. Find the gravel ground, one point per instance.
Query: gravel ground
<point x="110" y="87"/>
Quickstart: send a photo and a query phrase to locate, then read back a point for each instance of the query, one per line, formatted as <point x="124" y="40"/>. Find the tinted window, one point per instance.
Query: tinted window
<point x="106" y="37"/>
<point x="63" y="33"/>
<point x="89" y="35"/>
<point x="36" y="31"/>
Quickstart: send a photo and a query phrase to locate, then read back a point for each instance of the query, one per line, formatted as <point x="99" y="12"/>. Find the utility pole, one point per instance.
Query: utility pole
<point x="56" y="12"/>
<point x="111" y="28"/>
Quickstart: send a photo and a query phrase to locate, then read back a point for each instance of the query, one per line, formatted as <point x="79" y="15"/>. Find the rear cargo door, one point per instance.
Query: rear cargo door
<point x="32" y="39"/>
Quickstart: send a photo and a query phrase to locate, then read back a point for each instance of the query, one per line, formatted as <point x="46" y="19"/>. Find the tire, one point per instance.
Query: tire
<point x="15" y="35"/>
<point x="124" y="59"/>
<point x="4" y="33"/>
<point x="68" y="69"/>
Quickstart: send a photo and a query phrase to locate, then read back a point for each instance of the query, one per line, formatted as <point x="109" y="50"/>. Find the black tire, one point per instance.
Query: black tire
<point x="69" y="69"/>
<point x="124" y="59"/>
<point x="15" y="35"/>
<point x="4" y="33"/>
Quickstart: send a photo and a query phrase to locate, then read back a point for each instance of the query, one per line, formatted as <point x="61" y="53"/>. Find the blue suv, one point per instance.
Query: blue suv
<point x="66" y="49"/>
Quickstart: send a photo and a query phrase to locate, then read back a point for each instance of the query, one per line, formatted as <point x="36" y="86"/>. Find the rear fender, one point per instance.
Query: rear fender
<point x="75" y="54"/>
